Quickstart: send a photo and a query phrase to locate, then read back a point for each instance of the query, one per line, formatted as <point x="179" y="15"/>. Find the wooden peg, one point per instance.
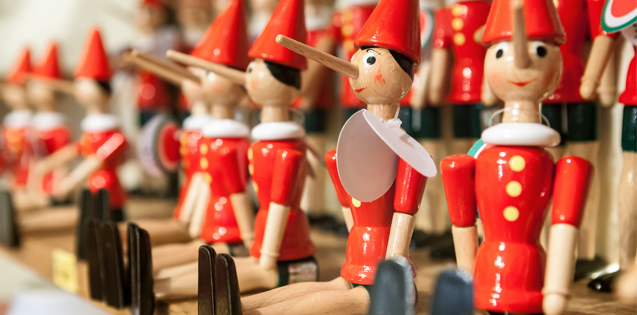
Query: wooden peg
<point x="334" y="63"/>
<point x="168" y="65"/>
<point x="64" y="86"/>
<point x="520" y="39"/>
<point x="233" y="75"/>
<point x="244" y="215"/>
<point x="156" y="69"/>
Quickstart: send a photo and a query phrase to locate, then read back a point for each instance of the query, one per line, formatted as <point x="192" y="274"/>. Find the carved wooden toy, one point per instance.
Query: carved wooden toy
<point x="282" y="250"/>
<point x="619" y="16"/>
<point x="17" y="149"/>
<point x="102" y="144"/>
<point x="383" y="219"/>
<point x="580" y="133"/>
<point x="317" y="97"/>
<point x="513" y="178"/>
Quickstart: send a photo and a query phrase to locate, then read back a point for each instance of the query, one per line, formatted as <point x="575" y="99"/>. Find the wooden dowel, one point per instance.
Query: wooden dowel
<point x="273" y="235"/>
<point x="334" y="63"/>
<point x="245" y="216"/>
<point x="63" y="86"/>
<point x="169" y="65"/>
<point x="233" y="75"/>
<point x="402" y="226"/>
<point x="465" y="240"/>
<point x="521" y="53"/>
<point x="157" y="70"/>
<point x="199" y="213"/>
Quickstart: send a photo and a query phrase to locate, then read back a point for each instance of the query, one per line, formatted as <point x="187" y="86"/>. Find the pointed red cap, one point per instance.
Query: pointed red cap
<point x="16" y="75"/>
<point x="226" y="40"/>
<point x="394" y="25"/>
<point x="94" y="62"/>
<point x="288" y="19"/>
<point x="153" y="2"/>
<point x="541" y="21"/>
<point x="49" y="68"/>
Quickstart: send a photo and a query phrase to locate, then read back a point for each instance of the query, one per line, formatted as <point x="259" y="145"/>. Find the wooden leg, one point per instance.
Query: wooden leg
<point x="165" y="231"/>
<point x="170" y="255"/>
<point x="177" y="287"/>
<point x="49" y="220"/>
<point x="349" y="302"/>
<point x="588" y="230"/>
<point x="433" y="215"/>
<point x="628" y="210"/>
<point x="253" y="277"/>
<point x="313" y="201"/>
<point x="292" y="291"/>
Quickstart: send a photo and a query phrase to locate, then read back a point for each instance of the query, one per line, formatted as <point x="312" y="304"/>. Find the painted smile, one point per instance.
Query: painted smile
<point x="521" y="83"/>
<point x="359" y="90"/>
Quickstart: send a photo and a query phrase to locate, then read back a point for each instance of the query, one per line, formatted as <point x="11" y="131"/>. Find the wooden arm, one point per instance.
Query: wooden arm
<point x="347" y="216"/>
<point x="90" y="164"/>
<point x="440" y="58"/>
<point x="273" y="235"/>
<point x="57" y="159"/>
<point x="559" y="268"/>
<point x="245" y="216"/>
<point x="312" y="79"/>
<point x="188" y="206"/>
<point x="608" y="86"/>
<point x="199" y="210"/>
<point x="402" y="226"/>
<point x="597" y="61"/>
<point x="465" y="241"/>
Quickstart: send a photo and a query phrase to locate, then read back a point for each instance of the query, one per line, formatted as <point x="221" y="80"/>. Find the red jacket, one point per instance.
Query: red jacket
<point x="18" y="149"/>
<point x="51" y="134"/>
<point x="369" y="236"/>
<point x="511" y="186"/>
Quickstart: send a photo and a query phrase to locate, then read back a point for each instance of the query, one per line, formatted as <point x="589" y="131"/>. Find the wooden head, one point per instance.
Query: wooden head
<point x="272" y="85"/>
<point x="150" y="16"/>
<point x="521" y="72"/>
<point x="43" y="96"/>
<point x="93" y="95"/>
<point x="219" y="92"/>
<point x="381" y="79"/>
<point x="15" y="96"/>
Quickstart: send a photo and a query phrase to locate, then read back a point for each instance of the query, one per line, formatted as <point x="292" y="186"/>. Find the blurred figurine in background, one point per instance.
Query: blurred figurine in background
<point x="260" y="10"/>
<point x="512" y="179"/>
<point x="619" y="16"/>
<point x="17" y="150"/>
<point x="582" y="23"/>
<point x="194" y="17"/>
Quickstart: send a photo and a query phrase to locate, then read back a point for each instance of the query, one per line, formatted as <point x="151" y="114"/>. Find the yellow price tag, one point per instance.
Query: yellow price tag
<point x="65" y="270"/>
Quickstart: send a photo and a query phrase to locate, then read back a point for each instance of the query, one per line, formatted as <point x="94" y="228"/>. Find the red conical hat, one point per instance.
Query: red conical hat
<point x="16" y="75"/>
<point x="540" y="16"/>
<point x="226" y="40"/>
<point x="94" y="62"/>
<point x="288" y="19"/>
<point x="49" y="67"/>
<point x="394" y="25"/>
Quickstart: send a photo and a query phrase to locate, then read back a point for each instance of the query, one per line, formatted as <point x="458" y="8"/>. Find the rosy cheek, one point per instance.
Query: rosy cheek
<point x="254" y="84"/>
<point x="378" y="77"/>
<point x="493" y="78"/>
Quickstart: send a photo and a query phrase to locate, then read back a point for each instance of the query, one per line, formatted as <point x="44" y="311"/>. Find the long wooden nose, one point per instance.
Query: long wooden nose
<point x="339" y="65"/>
<point x="520" y="50"/>
<point x="236" y="76"/>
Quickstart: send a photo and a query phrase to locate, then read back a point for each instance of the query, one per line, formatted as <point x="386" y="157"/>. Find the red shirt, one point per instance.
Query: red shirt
<point x="226" y="162"/>
<point x="629" y="96"/>
<point x="455" y="29"/>
<point x="151" y="92"/>
<point x="278" y="169"/>
<point x="18" y="152"/>
<point x="369" y="236"/>
<point x="189" y="152"/>
<point x="512" y="187"/>
<point x="348" y="23"/>
<point x="51" y="140"/>
<point x="109" y="145"/>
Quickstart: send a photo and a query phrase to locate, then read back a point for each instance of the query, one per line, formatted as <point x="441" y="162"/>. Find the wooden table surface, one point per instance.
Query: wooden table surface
<point x="35" y="252"/>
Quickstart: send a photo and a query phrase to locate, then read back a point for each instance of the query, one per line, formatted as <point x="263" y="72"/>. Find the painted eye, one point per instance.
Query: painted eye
<point x="210" y="75"/>
<point x="250" y="67"/>
<point x="369" y="58"/>
<point x="540" y="49"/>
<point x="501" y="49"/>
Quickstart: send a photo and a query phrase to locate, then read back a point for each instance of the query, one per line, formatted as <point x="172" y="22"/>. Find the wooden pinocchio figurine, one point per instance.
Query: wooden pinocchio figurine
<point x="619" y="16"/>
<point x="18" y="152"/>
<point x="103" y="145"/>
<point x="513" y="178"/>
<point x="582" y="23"/>
<point x="282" y="251"/>
<point x="383" y="222"/>
<point x="194" y="17"/>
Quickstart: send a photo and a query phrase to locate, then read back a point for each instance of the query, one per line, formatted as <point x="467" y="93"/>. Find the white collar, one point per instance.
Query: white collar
<point x="225" y="128"/>
<point x="99" y="122"/>
<point x="196" y="122"/>
<point x="17" y="118"/>
<point x="521" y="134"/>
<point x="277" y="130"/>
<point x="319" y="21"/>
<point x="47" y="120"/>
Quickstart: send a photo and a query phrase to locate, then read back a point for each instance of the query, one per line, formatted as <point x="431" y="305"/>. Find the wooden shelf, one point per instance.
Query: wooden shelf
<point x="36" y="253"/>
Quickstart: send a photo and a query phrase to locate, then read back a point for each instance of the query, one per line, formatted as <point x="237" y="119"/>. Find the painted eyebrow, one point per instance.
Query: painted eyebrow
<point x="372" y="50"/>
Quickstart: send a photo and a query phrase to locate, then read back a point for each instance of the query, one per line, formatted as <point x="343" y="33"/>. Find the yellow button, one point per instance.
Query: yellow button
<point x="203" y="148"/>
<point x="203" y="163"/>
<point x="207" y="178"/>
<point x="511" y="213"/>
<point x="457" y="24"/>
<point x="459" y="39"/>
<point x="347" y="30"/>
<point x="347" y="16"/>
<point x="457" y="9"/>
<point x="250" y="154"/>
<point x="514" y="188"/>
<point x="251" y="169"/>
<point x="517" y="163"/>
<point x="348" y="45"/>
<point x="356" y="203"/>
